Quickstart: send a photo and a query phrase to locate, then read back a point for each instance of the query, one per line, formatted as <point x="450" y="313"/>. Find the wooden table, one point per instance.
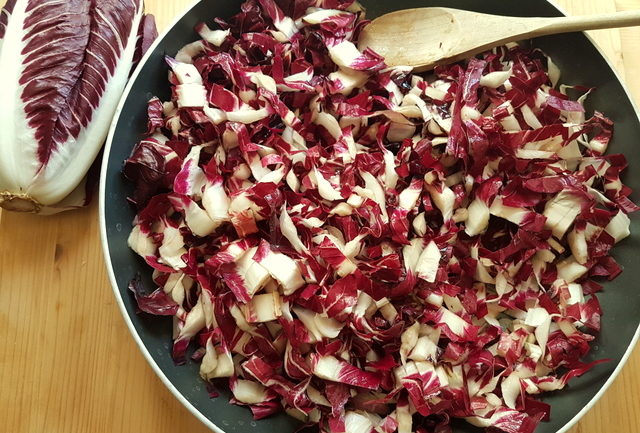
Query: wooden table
<point x="67" y="361"/>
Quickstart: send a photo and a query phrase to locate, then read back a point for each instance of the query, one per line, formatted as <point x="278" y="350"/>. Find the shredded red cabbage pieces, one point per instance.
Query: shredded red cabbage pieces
<point x="369" y="249"/>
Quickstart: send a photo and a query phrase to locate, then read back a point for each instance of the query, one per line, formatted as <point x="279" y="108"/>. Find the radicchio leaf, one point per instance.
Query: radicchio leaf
<point x="157" y="303"/>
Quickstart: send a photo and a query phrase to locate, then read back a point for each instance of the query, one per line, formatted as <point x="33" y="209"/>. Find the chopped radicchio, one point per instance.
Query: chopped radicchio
<point x="369" y="249"/>
<point x="157" y="302"/>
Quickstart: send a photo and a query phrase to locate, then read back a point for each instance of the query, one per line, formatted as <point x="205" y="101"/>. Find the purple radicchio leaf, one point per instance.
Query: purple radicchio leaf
<point x="147" y="34"/>
<point x="157" y="303"/>
<point x="5" y="13"/>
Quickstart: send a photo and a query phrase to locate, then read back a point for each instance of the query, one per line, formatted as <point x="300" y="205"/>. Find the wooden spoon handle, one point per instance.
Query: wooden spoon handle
<point x="552" y="26"/>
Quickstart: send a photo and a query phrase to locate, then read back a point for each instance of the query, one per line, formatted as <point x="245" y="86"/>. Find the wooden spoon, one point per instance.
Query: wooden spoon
<point x="426" y="37"/>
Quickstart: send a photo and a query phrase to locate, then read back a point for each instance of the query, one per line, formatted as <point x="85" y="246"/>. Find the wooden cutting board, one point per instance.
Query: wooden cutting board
<point x="67" y="361"/>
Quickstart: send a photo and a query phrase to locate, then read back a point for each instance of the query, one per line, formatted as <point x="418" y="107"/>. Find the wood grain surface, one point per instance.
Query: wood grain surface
<point x="67" y="361"/>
